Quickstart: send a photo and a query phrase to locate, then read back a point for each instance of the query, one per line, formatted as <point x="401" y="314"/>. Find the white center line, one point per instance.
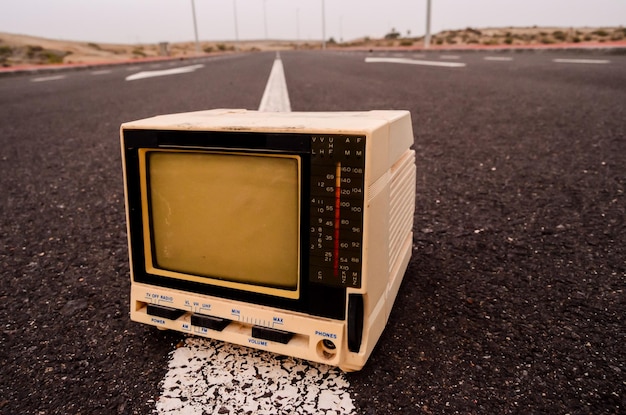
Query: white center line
<point x="590" y="61"/>
<point x="276" y="97"/>
<point x="416" y="62"/>
<point x="48" y="78"/>
<point x="165" y="72"/>
<point x="498" y="58"/>
<point x="210" y="376"/>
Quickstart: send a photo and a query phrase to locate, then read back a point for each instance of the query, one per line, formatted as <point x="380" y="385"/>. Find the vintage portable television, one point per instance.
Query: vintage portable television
<point x="287" y="232"/>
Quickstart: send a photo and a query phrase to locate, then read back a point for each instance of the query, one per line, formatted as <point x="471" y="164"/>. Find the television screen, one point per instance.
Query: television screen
<point x="224" y="218"/>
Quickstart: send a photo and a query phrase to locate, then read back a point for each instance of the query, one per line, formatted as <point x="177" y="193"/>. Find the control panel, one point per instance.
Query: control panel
<point x="336" y="222"/>
<point x="273" y="329"/>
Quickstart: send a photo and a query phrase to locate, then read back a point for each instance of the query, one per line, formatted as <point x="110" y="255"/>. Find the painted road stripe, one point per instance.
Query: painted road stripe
<point x="101" y="72"/>
<point x="212" y="377"/>
<point x="591" y="61"/>
<point x="165" y="72"/>
<point x="498" y="58"/>
<point x="416" y="62"/>
<point x="452" y="57"/>
<point x="48" y="78"/>
<point x="276" y="97"/>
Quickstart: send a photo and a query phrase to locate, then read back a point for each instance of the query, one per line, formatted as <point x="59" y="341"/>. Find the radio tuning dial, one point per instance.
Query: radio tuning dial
<point x="337" y="180"/>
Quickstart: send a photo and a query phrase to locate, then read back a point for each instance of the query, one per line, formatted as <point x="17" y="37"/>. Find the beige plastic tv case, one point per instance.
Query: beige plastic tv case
<point x="388" y="212"/>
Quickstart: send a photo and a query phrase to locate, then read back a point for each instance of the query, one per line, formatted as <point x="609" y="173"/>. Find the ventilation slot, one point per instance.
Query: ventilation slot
<point x="402" y="204"/>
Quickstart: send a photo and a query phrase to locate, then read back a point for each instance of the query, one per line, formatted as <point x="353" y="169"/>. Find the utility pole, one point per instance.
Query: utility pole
<point x="265" y="17"/>
<point x="195" y="25"/>
<point x="235" y="15"/>
<point x="427" y="37"/>
<point x="341" y="29"/>
<point x="323" y="26"/>
<point x="297" y="26"/>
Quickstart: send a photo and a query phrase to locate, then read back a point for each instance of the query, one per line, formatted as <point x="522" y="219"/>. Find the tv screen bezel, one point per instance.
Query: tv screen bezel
<point x="314" y="298"/>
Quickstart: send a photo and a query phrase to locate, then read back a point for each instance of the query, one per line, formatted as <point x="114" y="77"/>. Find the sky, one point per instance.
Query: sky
<point x="151" y="21"/>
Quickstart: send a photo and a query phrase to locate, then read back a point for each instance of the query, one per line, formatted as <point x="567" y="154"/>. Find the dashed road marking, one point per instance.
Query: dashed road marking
<point x="498" y="58"/>
<point x="589" y="61"/>
<point x="416" y="62"/>
<point x="164" y="72"/>
<point x="48" y="78"/>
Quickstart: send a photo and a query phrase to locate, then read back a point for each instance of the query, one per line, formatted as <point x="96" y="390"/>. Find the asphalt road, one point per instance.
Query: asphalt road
<point x="513" y="301"/>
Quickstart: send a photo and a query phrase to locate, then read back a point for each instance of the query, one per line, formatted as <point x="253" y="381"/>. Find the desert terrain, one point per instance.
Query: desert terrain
<point x="23" y="50"/>
<point x="29" y="50"/>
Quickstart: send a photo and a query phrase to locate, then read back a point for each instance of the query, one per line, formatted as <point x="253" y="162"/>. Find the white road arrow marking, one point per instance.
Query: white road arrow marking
<point x="164" y="72"/>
